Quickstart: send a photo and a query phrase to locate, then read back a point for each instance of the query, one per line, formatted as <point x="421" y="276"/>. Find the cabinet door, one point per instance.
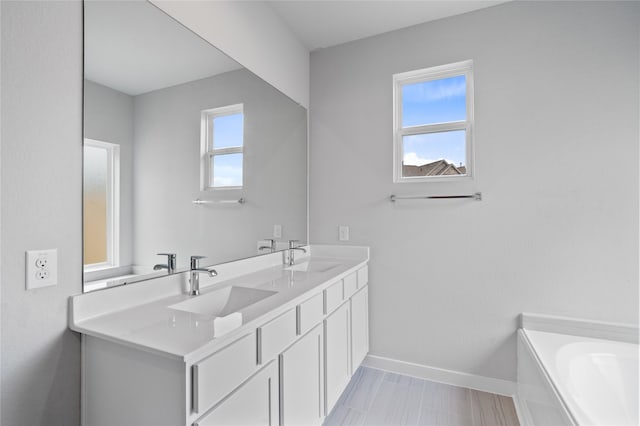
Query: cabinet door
<point x="253" y="403"/>
<point x="301" y="381"/>
<point x="359" y="327"/>
<point x="337" y="362"/>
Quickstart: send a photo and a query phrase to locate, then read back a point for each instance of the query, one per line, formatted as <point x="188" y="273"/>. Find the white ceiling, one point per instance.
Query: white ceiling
<point x="324" y="23"/>
<point x="132" y="58"/>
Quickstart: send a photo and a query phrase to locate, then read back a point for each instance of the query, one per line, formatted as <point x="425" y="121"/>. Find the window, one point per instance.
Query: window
<point x="222" y="147"/>
<point x="101" y="193"/>
<point x="433" y="123"/>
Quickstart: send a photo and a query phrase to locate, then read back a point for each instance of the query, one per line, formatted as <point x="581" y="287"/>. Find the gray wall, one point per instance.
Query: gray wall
<point x="40" y="208"/>
<point x="108" y="117"/>
<point x="556" y="136"/>
<point x="167" y="171"/>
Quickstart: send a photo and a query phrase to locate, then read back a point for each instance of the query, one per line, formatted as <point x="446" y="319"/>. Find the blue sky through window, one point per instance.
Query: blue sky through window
<point x="227" y="131"/>
<point x="227" y="170"/>
<point x="432" y="102"/>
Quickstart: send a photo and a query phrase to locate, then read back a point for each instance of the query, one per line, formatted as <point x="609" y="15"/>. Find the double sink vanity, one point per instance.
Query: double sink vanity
<point x="266" y="340"/>
<point x="265" y="343"/>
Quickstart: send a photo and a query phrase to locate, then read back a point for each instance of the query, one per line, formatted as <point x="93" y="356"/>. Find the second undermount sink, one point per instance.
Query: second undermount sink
<point x="313" y="266"/>
<point x="223" y="302"/>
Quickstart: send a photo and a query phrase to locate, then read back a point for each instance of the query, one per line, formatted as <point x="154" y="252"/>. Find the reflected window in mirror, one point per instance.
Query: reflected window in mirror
<point x="101" y="188"/>
<point x="222" y="147"/>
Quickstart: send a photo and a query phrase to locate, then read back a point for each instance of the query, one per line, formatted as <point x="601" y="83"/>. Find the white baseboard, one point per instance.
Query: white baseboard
<point x="450" y="377"/>
<point x="522" y="411"/>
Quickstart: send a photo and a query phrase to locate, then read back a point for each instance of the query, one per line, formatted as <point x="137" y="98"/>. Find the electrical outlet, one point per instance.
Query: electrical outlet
<point x="42" y="274"/>
<point x="277" y="231"/>
<point x="343" y="233"/>
<point x="41" y="268"/>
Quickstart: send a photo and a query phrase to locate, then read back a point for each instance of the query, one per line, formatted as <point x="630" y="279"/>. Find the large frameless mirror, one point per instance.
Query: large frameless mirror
<point x="185" y="150"/>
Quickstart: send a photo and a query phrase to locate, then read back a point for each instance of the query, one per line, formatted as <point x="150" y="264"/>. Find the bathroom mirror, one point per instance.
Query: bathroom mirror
<point x="186" y="151"/>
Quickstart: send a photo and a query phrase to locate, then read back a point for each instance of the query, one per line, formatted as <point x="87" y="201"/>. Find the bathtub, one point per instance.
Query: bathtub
<point x="573" y="380"/>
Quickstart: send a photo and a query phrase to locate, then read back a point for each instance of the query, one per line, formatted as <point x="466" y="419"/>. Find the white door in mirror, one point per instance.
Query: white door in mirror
<point x="41" y="268"/>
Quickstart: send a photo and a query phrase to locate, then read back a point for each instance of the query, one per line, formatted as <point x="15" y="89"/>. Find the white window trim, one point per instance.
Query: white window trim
<point x="207" y="152"/>
<point x="434" y="73"/>
<point x="113" y="206"/>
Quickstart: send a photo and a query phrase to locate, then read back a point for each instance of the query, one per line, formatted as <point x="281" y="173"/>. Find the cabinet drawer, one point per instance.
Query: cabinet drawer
<point x="276" y="335"/>
<point x="332" y="297"/>
<point x="310" y="313"/>
<point x="350" y="283"/>
<point x="212" y="377"/>
<point x="363" y="276"/>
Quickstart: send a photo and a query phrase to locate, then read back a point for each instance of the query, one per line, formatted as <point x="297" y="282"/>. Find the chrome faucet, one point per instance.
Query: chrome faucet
<point x="271" y="246"/>
<point x="171" y="263"/>
<point x="292" y="249"/>
<point x="195" y="275"/>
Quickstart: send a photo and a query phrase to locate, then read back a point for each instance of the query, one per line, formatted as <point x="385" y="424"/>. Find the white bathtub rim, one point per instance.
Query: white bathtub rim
<point x="595" y="329"/>
<point x="566" y="413"/>
<point x="545" y="358"/>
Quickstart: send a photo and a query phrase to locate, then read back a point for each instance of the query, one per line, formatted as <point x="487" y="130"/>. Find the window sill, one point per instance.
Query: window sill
<point x="99" y="272"/>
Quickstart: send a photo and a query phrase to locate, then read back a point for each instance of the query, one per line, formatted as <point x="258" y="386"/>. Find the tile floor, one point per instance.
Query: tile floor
<point x="374" y="397"/>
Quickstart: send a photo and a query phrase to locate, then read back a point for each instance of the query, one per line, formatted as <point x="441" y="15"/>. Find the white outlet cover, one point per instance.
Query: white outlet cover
<point x="41" y="268"/>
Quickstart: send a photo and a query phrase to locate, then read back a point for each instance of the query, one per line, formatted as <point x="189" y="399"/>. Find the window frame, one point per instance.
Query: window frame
<point x="113" y="206"/>
<point x="429" y="74"/>
<point x="208" y="152"/>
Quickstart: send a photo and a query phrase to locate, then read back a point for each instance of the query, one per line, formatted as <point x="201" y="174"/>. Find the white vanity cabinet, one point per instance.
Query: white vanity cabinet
<point x="337" y="348"/>
<point x="359" y="327"/>
<point x="346" y="334"/>
<point x="302" y="380"/>
<point x="287" y="367"/>
<point x="254" y="403"/>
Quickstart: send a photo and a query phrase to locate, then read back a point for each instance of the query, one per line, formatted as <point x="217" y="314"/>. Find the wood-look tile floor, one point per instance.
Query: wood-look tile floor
<point x="376" y="398"/>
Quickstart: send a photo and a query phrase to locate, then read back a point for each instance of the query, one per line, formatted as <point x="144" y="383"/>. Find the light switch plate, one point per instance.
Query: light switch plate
<point x="41" y="268"/>
<point x="277" y="231"/>
<point x="343" y="233"/>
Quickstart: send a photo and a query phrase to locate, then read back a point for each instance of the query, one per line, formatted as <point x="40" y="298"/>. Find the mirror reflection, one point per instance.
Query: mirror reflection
<point x="185" y="151"/>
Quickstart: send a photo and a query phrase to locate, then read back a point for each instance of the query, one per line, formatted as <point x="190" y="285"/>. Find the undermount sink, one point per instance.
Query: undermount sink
<point x="313" y="266"/>
<point x="223" y="302"/>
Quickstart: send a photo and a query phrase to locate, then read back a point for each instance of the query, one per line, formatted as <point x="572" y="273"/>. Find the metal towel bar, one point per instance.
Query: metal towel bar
<point x="200" y="202"/>
<point x="477" y="196"/>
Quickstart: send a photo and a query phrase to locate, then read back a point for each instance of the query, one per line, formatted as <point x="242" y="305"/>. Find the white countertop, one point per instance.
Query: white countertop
<point x="140" y="315"/>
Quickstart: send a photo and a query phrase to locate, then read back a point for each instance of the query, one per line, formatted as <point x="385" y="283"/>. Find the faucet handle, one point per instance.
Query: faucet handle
<point x="195" y="260"/>
<point x="171" y="261"/>
<point x="271" y="246"/>
<point x="292" y="243"/>
<point x="170" y="256"/>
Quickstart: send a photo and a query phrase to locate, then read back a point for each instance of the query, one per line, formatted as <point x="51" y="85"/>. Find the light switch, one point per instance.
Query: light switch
<point x="277" y="231"/>
<point x="343" y="233"/>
